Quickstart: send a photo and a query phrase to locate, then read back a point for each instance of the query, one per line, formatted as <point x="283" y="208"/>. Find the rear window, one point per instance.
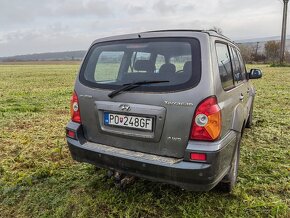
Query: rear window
<point x="112" y="64"/>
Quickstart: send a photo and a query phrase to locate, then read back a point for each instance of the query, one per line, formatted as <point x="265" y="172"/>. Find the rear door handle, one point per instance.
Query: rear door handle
<point x="241" y="97"/>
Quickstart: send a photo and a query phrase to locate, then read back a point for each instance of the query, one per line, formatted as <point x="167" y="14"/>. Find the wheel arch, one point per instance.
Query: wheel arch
<point x="239" y="120"/>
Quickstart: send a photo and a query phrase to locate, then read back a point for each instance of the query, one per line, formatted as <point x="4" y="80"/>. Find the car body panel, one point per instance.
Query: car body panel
<point x="176" y="171"/>
<point x="164" y="154"/>
<point x="177" y="106"/>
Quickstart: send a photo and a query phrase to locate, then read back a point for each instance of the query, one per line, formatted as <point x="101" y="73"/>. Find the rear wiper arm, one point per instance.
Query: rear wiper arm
<point x="129" y="86"/>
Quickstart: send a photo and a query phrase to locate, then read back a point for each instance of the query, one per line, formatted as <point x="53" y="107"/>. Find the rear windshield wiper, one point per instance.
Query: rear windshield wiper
<point x="129" y="86"/>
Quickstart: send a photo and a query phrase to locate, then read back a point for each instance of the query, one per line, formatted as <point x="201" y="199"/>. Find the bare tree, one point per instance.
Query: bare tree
<point x="272" y="50"/>
<point x="246" y="52"/>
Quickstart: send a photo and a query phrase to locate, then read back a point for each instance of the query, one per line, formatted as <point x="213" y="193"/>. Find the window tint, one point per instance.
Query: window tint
<point x="238" y="76"/>
<point x="179" y="61"/>
<point x="108" y="66"/>
<point x="224" y="64"/>
<point x="142" y="56"/>
<point x="160" y="60"/>
<point x="243" y="67"/>
<point x="136" y="58"/>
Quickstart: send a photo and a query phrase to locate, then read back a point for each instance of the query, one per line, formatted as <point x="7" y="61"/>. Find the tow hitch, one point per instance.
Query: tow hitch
<point x="122" y="181"/>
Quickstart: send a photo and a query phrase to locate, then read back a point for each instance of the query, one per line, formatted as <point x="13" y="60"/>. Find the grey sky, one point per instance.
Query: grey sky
<point x="33" y="26"/>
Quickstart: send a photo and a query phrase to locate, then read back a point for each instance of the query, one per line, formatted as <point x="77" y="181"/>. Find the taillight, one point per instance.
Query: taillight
<point x="75" y="109"/>
<point x="206" y="123"/>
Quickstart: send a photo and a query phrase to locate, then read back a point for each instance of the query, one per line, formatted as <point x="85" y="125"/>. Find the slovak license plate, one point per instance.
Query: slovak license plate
<point x="142" y="123"/>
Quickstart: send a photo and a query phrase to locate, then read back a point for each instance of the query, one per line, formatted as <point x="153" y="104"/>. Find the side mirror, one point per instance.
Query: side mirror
<point x="255" y="74"/>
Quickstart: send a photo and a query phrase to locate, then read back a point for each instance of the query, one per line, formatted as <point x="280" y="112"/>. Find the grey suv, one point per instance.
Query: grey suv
<point x="167" y="106"/>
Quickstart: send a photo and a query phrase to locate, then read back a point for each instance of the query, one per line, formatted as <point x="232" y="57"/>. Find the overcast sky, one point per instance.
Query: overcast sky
<point x="34" y="26"/>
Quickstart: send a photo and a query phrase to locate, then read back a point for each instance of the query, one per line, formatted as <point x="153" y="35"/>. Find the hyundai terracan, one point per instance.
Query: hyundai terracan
<point x="168" y="106"/>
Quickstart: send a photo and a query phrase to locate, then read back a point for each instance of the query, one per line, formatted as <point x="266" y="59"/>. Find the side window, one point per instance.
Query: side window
<point x="179" y="61"/>
<point x="108" y="66"/>
<point x="138" y="60"/>
<point x="142" y="56"/>
<point x="236" y="66"/>
<point x="243" y="67"/>
<point x="160" y="60"/>
<point x="224" y="64"/>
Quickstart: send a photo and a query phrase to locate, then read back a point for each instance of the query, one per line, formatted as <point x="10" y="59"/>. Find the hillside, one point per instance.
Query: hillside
<point x="78" y="55"/>
<point x="51" y="56"/>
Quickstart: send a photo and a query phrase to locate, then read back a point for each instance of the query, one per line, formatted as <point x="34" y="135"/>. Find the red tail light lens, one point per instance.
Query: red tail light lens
<point x="71" y="134"/>
<point x="75" y="109"/>
<point x="198" y="156"/>
<point x="206" y="123"/>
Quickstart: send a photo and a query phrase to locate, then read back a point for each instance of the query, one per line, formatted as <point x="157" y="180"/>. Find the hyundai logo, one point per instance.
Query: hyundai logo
<point x="125" y="107"/>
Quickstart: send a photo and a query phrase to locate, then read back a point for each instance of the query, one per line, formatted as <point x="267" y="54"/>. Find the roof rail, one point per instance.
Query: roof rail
<point x="168" y="30"/>
<point x="214" y="32"/>
<point x="211" y="32"/>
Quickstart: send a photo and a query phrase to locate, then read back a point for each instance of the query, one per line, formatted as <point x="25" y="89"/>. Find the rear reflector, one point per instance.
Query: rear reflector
<point x="198" y="156"/>
<point x="70" y="134"/>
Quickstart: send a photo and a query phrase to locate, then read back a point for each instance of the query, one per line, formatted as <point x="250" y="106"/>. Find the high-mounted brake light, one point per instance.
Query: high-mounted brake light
<point x="75" y="109"/>
<point x="206" y="123"/>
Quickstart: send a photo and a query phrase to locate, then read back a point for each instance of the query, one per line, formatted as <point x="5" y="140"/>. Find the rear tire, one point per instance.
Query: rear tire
<point x="228" y="182"/>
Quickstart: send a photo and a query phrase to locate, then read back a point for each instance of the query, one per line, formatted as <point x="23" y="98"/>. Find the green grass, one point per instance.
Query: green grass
<point x="38" y="178"/>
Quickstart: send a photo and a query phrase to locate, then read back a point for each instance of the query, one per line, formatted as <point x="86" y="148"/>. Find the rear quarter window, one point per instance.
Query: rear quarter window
<point x="243" y="67"/>
<point x="224" y="65"/>
<point x="108" y="67"/>
<point x="237" y="68"/>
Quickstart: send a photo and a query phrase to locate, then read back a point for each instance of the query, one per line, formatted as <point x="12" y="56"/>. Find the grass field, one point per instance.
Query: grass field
<point x="38" y="178"/>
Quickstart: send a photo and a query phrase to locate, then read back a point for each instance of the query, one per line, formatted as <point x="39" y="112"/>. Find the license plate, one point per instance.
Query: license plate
<point x="142" y="123"/>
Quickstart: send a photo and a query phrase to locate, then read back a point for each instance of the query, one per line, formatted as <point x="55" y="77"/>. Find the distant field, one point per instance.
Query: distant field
<point x="41" y="63"/>
<point x="38" y="178"/>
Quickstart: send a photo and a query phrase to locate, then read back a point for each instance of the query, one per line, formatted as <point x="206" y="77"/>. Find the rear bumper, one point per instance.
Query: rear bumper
<point x="194" y="176"/>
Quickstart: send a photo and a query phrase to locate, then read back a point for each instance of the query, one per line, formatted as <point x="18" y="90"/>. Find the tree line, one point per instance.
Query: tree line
<point x="270" y="53"/>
